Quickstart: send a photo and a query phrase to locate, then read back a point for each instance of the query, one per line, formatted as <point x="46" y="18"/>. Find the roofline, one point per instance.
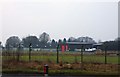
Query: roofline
<point x="78" y="43"/>
<point x="82" y="43"/>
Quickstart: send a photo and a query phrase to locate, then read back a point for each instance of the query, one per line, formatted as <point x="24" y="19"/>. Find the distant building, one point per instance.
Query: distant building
<point x="77" y="46"/>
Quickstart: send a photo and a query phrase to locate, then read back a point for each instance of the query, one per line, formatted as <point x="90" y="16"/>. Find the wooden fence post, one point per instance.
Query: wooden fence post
<point x="58" y="53"/>
<point x="30" y="49"/>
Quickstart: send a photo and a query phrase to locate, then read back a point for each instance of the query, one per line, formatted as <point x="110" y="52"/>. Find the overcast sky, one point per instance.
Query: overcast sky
<point x="60" y="19"/>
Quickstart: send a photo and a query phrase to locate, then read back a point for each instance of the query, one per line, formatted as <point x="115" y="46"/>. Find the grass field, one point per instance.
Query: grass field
<point x="69" y="63"/>
<point x="67" y="57"/>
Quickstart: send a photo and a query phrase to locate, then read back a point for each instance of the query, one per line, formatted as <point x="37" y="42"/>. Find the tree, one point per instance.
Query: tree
<point x="53" y="43"/>
<point x="0" y="45"/>
<point x="110" y="45"/>
<point x="64" y="40"/>
<point x="44" y="39"/>
<point x="12" y="42"/>
<point x="59" y="41"/>
<point x="69" y="40"/>
<point x="30" y="39"/>
<point x="117" y="39"/>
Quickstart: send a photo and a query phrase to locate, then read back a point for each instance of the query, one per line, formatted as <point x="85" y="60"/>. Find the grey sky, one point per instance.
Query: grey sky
<point x="60" y="19"/>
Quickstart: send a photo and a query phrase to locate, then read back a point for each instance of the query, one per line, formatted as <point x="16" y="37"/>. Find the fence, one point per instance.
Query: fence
<point x="65" y="57"/>
<point x="69" y="62"/>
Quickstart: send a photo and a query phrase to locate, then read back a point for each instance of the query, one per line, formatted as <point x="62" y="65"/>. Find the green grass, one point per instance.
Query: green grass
<point x="69" y="57"/>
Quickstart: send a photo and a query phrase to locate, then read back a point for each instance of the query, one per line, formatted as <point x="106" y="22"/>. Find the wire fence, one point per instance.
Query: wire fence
<point x="64" y="57"/>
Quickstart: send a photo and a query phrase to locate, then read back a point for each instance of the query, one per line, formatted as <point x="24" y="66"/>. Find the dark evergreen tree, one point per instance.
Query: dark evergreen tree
<point x="64" y="40"/>
<point x="59" y="41"/>
<point x="53" y="44"/>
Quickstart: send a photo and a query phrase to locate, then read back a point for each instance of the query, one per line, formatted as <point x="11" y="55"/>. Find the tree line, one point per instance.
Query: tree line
<point x="44" y="41"/>
<point x="111" y="45"/>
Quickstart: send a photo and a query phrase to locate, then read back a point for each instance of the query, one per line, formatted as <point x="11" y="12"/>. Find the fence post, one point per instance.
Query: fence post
<point x="18" y="53"/>
<point x="46" y="70"/>
<point x="82" y="57"/>
<point x="105" y="55"/>
<point x="30" y="46"/>
<point x="57" y="53"/>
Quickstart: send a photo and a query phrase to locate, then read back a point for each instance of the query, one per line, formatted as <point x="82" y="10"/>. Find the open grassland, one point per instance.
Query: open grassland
<point x="69" y="63"/>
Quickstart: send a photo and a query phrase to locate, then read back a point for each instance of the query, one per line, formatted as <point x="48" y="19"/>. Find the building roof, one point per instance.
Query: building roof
<point x="79" y="43"/>
<point x="82" y="43"/>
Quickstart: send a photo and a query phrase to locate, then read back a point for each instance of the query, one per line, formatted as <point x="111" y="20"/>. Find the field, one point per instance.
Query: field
<point x="66" y="57"/>
<point x="69" y="63"/>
